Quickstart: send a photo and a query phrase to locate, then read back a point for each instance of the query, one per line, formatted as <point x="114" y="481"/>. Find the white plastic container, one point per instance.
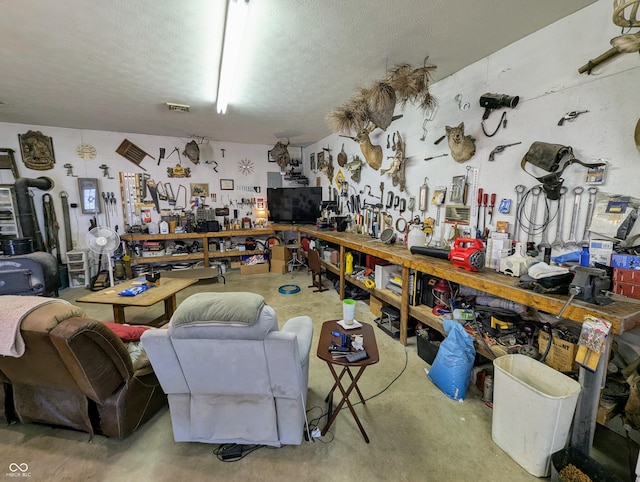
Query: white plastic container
<point x="416" y="236"/>
<point x="533" y="407"/>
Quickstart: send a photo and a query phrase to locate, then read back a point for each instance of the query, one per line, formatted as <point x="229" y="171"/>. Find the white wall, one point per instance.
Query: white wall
<point x="65" y="142"/>
<point x="543" y="70"/>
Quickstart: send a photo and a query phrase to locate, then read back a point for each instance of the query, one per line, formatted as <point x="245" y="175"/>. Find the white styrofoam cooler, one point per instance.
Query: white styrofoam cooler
<point x="533" y="407"/>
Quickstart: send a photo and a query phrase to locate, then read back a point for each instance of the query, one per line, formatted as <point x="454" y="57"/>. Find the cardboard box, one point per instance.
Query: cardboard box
<point x="254" y="268"/>
<point x="600" y="251"/>
<point x="376" y="305"/>
<point x="625" y="261"/>
<point x="383" y="273"/>
<point x="279" y="266"/>
<point x="562" y="354"/>
<point x="281" y="253"/>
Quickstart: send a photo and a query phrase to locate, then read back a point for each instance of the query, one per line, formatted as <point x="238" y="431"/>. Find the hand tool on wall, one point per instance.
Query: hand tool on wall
<point x="535" y="197"/>
<point x="499" y="149"/>
<point x="171" y="198"/>
<point x="571" y="116"/>
<point x="516" y="226"/>
<point x="572" y="243"/>
<point x="423" y="198"/>
<point x="105" y="198"/>
<point x="113" y="204"/>
<point x="435" y="157"/>
<point x="64" y="198"/>
<point x="485" y="203"/>
<point x="465" y="191"/>
<point x="69" y="169"/>
<point x="479" y="208"/>
<point x="544" y="242"/>
<point x="558" y="243"/>
<point x="153" y="189"/>
<point x="587" y="222"/>
<point x="390" y="197"/>
<point x="105" y="171"/>
<point x="492" y="204"/>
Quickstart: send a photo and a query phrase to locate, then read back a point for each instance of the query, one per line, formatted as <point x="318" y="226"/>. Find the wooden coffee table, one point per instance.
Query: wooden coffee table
<point x="370" y="345"/>
<point x="165" y="291"/>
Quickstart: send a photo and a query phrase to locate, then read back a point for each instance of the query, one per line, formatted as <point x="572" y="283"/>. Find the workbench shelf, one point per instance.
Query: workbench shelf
<point x="205" y="255"/>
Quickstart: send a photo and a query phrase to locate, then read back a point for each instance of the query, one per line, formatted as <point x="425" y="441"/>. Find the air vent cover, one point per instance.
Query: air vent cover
<point x="132" y="153"/>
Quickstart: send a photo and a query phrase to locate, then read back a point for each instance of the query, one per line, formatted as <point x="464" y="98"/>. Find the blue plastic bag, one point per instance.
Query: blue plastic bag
<point x="452" y="366"/>
<point x="135" y="290"/>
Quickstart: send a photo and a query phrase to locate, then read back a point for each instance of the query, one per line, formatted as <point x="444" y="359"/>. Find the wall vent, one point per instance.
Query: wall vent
<point x="132" y="153"/>
<point x="179" y="107"/>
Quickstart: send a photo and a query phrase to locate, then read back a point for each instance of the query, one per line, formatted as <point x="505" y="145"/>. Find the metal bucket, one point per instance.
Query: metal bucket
<point x="12" y="247"/>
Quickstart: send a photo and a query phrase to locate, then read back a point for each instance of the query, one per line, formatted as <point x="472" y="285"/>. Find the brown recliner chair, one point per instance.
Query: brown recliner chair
<point x="6" y="399"/>
<point x="76" y="373"/>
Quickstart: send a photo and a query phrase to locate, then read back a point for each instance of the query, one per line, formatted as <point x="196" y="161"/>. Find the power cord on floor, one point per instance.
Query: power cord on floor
<point x="234" y="452"/>
<point x="314" y="429"/>
<point x="314" y="422"/>
<point x="406" y="363"/>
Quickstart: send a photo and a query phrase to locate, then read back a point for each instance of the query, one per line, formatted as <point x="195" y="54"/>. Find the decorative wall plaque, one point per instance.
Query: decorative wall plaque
<point x="37" y="150"/>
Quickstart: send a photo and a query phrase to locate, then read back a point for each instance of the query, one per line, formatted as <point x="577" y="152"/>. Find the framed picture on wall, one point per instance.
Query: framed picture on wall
<point x="312" y="162"/>
<point x="270" y="157"/>
<point x="226" y="184"/>
<point x="199" y="189"/>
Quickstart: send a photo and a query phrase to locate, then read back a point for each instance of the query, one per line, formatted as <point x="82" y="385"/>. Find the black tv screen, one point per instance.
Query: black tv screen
<point x="294" y="205"/>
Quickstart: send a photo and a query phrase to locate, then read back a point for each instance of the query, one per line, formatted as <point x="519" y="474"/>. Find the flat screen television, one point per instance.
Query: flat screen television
<point x="294" y="205"/>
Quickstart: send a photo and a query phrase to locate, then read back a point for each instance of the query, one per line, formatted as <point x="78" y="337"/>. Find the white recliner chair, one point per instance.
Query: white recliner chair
<point x="231" y="376"/>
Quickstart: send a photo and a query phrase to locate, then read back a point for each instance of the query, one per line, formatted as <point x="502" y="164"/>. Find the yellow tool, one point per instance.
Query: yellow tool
<point x="503" y="325"/>
<point x="348" y="267"/>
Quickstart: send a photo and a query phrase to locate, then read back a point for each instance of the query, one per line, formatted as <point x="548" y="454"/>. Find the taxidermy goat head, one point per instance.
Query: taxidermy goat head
<point x="462" y="147"/>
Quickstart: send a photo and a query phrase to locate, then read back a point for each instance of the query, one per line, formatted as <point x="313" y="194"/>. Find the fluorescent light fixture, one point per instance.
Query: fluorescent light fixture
<point x="237" y="11"/>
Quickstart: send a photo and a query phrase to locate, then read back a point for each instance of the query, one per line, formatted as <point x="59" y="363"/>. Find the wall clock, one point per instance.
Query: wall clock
<point x="86" y="152"/>
<point x="245" y="166"/>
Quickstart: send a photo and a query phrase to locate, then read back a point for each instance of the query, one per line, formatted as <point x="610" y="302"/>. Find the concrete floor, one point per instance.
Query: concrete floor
<point x="417" y="433"/>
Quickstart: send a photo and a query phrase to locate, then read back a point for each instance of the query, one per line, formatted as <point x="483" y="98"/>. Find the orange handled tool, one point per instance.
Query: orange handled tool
<point x="492" y="204"/>
<point x="480" y="191"/>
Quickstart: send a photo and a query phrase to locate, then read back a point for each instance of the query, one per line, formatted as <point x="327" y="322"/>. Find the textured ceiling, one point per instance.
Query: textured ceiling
<point x="113" y="65"/>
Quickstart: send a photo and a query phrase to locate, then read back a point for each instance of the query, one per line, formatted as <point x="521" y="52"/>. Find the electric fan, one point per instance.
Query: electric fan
<point x="103" y="240"/>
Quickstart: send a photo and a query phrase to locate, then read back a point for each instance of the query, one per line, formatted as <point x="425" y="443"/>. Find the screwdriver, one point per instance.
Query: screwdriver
<point x="480" y="191"/>
<point x="485" y="202"/>
<point x="491" y="206"/>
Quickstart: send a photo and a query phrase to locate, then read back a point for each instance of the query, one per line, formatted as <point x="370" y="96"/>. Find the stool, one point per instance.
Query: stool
<point x="294" y="261"/>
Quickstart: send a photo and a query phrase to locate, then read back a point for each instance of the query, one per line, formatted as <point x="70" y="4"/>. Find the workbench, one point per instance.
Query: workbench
<point x="623" y="313"/>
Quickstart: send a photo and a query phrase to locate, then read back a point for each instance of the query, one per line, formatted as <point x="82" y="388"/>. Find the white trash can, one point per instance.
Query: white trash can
<point x="533" y="407"/>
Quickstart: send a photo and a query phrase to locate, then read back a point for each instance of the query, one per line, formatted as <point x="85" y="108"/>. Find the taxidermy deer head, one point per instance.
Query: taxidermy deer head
<point x="372" y="154"/>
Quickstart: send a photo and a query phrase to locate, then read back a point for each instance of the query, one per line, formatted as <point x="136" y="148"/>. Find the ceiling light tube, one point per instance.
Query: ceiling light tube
<point x="237" y="11"/>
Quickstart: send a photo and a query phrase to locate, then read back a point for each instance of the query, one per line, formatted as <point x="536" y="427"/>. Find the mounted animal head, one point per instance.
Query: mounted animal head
<point x="280" y="153"/>
<point x="462" y="147"/>
<point x="372" y="154"/>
